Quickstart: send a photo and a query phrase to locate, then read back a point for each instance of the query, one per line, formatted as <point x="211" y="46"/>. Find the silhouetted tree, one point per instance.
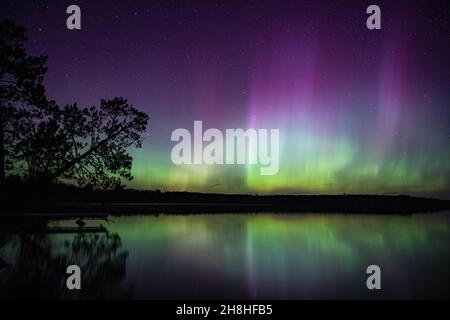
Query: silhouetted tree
<point x="21" y="88"/>
<point x="41" y="141"/>
<point x="88" y="146"/>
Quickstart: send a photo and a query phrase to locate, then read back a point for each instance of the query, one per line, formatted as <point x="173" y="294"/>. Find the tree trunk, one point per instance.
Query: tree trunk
<point x="2" y="149"/>
<point x="70" y="164"/>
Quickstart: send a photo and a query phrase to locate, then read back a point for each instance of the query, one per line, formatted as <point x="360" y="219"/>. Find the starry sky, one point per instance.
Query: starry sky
<point x="359" y="111"/>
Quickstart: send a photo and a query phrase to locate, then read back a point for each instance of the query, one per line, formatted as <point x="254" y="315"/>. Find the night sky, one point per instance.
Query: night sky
<point x="359" y="111"/>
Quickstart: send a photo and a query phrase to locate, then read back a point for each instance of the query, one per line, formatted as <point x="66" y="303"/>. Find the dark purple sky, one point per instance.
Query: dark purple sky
<point x="358" y="110"/>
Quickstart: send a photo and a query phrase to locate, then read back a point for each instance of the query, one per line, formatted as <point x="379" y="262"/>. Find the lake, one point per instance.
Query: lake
<point x="230" y="256"/>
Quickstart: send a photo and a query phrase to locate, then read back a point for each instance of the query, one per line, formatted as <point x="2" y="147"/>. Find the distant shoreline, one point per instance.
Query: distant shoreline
<point x="145" y="202"/>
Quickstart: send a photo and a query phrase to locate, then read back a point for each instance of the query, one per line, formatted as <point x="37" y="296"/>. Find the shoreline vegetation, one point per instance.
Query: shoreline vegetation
<point x="65" y="201"/>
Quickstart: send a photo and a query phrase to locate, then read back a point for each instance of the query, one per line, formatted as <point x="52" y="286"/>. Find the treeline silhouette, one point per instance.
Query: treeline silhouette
<point x="60" y="198"/>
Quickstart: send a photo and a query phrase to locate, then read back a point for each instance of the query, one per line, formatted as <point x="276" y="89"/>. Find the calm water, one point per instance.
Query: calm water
<point x="260" y="256"/>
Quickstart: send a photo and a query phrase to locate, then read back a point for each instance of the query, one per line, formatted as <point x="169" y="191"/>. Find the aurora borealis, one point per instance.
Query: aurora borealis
<point x="359" y="111"/>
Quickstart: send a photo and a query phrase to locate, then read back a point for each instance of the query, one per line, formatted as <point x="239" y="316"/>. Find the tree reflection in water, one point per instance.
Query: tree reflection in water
<point x="34" y="265"/>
